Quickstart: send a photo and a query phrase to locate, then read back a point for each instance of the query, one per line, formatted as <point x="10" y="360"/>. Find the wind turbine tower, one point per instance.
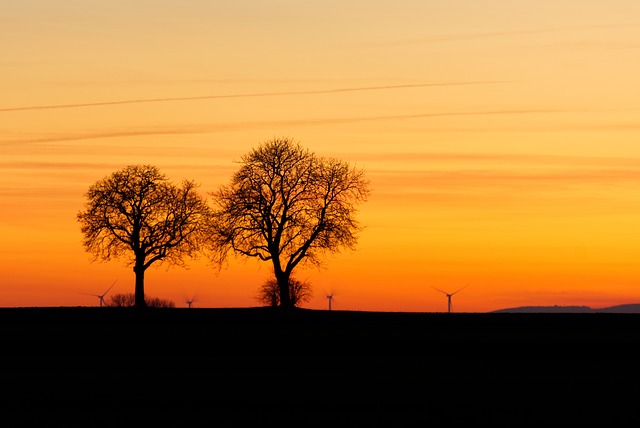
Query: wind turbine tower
<point x="449" y="295"/>
<point x="330" y="298"/>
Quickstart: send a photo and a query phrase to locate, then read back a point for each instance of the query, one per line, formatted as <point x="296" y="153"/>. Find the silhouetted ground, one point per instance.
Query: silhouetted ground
<point x="238" y="366"/>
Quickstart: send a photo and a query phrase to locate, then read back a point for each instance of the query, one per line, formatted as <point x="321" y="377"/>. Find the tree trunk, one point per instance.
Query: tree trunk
<point x="139" y="290"/>
<point x="283" y="286"/>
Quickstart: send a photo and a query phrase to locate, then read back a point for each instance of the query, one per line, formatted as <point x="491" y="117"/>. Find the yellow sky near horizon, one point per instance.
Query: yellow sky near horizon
<point x="500" y="137"/>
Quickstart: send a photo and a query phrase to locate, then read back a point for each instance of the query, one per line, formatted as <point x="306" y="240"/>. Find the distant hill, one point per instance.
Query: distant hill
<point x="631" y="308"/>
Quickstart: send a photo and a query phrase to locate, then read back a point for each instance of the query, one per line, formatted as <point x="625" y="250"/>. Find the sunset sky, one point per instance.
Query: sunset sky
<point x="501" y="138"/>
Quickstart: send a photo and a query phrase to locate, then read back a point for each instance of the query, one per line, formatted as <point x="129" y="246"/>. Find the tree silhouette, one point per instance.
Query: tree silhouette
<point x="138" y="213"/>
<point x="286" y="205"/>
<point x="126" y="300"/>
<point x="299" y="292"/>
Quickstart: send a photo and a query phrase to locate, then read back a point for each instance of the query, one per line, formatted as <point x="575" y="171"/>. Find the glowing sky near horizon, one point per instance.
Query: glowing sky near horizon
<point x="501" y="139"/>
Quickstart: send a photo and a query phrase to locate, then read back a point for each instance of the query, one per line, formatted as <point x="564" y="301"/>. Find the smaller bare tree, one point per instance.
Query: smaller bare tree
<point x="127" y="300"/>
<point x="138" y="214"/>
<point x="299" y="292"/>
<point x="156" y="302"/>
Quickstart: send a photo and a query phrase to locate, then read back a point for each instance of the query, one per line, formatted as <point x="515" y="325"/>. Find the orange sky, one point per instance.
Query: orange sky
<point x="500" y="138"/>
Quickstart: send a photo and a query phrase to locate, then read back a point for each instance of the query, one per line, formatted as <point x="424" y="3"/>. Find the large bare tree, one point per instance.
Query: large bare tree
<point x="138" y="213"/>
<point x="286" y="205"/>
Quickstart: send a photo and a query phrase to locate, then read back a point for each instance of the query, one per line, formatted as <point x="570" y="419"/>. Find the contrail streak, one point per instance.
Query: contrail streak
<point x="249" y="95"/>
<point x="491" y="34"/>
<point x="230" y="127"/>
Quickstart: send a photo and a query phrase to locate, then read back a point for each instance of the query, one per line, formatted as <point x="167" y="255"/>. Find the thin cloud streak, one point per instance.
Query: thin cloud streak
<point x="46" y="167"/>
<point x="40" y="166"/>
<point x="492" y="34"/>
<point x="502" y="158"/>
<point x="203" y="129"/>
<point x="474" y="179"/>
<point x="250" y="95"/>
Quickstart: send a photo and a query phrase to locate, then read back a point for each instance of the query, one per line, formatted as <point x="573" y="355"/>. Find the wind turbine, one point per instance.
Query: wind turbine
<point x="190" y="298"/>
<point x="190" y="301"/>
<point x="101" y="296"/>
<point x="449" y="295"/>
<point x="330" y="298"/>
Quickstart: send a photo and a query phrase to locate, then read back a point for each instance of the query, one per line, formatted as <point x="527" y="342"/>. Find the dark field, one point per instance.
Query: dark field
<point x="234" y="367"/>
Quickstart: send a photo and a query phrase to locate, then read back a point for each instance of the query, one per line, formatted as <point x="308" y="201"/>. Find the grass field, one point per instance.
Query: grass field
<point x="90" y="366"/>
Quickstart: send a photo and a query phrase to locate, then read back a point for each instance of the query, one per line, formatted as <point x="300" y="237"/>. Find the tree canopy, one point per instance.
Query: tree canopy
<point x="137" y="213"/>
<point x="287" y="206"/>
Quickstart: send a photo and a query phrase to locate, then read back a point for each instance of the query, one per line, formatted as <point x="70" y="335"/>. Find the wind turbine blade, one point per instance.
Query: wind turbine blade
<point x="460" y="289"/>
<point x="442" y="291"/>
<point x="111" y="286"/>
<point x="89" y="294"/>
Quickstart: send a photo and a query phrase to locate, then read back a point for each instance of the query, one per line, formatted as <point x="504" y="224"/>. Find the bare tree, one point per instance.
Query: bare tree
<point x="121" y="300"/>
<point x="126" y="300"/>
<point x="286" y="205"/>
<point x="299" y="292"/>
<point x="138" y="213"/>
